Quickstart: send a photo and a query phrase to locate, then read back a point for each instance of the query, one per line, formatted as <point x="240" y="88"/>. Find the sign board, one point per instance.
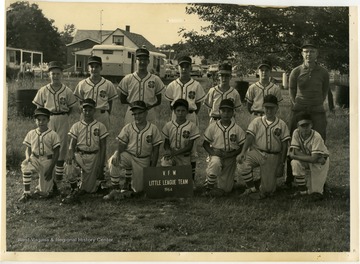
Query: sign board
<point x="175" y="181"/>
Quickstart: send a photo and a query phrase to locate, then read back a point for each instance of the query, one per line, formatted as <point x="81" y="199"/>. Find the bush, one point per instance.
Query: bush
<point x="11" y="73"/>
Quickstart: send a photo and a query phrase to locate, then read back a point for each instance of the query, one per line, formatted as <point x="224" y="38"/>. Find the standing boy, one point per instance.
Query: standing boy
<point x="88" y="150"/>
<point x="180" y="135"/>
<point x="308" y="152"/>
<point x="257" y="91"/>
<point x="187" y="88"/>
<point x="141" y="85"/>
<point x="99" y="89"/>
<point x="59" y="100"/>
<point x="138" y="148"/>
<point x="265" y="146"/>
<point x="223" y="141"/>
<point x="220" y="92"/>
<point x="42" y="153"/>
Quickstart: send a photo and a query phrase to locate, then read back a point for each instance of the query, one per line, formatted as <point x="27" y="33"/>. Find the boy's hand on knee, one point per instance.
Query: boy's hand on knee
<point x="240" y="158"/>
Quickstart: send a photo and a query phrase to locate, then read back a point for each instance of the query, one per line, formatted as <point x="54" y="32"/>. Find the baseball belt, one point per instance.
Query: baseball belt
<point x="38" y="156"/>
<point x="86" y="152"/>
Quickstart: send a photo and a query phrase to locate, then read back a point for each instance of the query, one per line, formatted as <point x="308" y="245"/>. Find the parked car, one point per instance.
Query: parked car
<point x="196" y="70"/>
<point x="213" y="69"/>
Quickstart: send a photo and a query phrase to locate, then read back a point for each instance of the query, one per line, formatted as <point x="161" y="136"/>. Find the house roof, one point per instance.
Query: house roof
<point x="139" y="40"/>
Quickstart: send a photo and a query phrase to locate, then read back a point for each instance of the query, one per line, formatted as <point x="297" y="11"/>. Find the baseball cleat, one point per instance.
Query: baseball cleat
<point x="24" y="198"/>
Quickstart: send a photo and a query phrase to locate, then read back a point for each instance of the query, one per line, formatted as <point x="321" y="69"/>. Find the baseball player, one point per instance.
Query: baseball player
<point x="223" y="140"/>
<point x="308" y="152"/>
<point x="187" y="88"/>
<point x="220" y="92"/>
<point x="138" y="147"/>
<point x="97" y="88"/>
<point x="180" y="135"/>
<point x="59" y="100"/>
<point x="141" y="86"/>
<point x="257" y="91"/>
<point x="265" y="147"/>
<point x="87" y="149"/>
<point x="42" y="152"/>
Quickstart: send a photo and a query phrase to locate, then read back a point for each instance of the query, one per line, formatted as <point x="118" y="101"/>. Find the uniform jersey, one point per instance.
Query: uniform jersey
<point x="55" y="101"/>
<point x="180" y="135"/>
<point x="225" y="138"/>
<point x="215" y="96"/>
<point x="101" y="92"/>
<point x="256" y="93"/>
<point x="42" y="144"/>
<point x="140" y="143"/>
<point x="88" y="136"/>
<point x="268" y="137"/>
<point x="137" y="89"/>
<point x="191" y="91"/>
<point x="314" y="144"/>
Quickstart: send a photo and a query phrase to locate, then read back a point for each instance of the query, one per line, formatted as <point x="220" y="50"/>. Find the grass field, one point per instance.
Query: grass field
<point x="198" y="224"/>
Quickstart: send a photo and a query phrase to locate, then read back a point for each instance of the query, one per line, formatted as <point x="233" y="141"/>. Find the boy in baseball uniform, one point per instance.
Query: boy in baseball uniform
<point x="191" y="90"/>
<point x="220" y="92"/>
<point x="265" y="147"/>
<point x="223" y="140"/>
<point x="141" y="86"/>
<point x="97" y="88"/>
<point x="257" y="91"/>
<point x="87" y="149"/>
<point x="42" y="153"/>
<point x="309" y="154"/>
<point x="180" y="135"/>
<point x="138" y="147"/>
<point x="59" y="100"/>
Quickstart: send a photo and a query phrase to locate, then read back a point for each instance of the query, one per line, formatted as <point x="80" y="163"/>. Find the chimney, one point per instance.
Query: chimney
<point x="127" y="28"/>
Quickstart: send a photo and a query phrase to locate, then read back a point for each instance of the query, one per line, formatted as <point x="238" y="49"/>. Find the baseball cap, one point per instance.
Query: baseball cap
<point x="89" y="102"/>
<point x="303" y="118"/>
<point x="227" y="103"/>
<point x="266" y="63"/>
<point x="95" y="59"/>
<point x="225" y="68"/>
<point x="41" y="111"/>
<point x="309" y="44"/>
<point x="142" y="52"/>
<point x="55" y="65"/>
<point x="184" y="59"/>
<point x="181" y="102"/>
<point x="138" y="105"/>
<point x="270" y="100"/>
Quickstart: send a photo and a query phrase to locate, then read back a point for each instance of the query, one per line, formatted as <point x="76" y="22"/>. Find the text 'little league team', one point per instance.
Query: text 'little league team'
<point x="267" y="143"/>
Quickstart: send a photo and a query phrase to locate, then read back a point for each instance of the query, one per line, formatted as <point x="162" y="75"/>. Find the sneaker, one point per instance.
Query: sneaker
<point x="298" y="194"/>
<point x="72" y="197"/>
<point x="113" y="195"/>
<point x="315" y="197"/>
<point x="248" y="192"/>
<point x="24" y="198"/>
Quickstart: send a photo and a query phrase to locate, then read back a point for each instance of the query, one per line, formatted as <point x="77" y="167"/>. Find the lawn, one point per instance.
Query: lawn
<point x="198" y="224"/>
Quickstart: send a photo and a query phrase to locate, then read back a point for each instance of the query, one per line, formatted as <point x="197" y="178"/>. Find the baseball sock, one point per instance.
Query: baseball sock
<point x="59" y="170"/>
<point x="128" y="174"/>
<point x="301" y="183"/>
<point x="193" y="169"/>
<point x="27" y="181"/>
<point x="249" y="181"/>
<point x="115" y="181"/>
<point x="210" y="180"/>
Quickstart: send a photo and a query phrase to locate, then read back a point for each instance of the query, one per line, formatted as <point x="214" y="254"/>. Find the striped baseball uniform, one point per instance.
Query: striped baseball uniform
<point x="58" y="103"/>
<point x="265" y="151"/>
<point x="42" y="147"/>
<point x="88" y="138"/>
<point x="179" y="137"/>
<point x="101" y="92"/>
<point x="139" y="147"/>
<point x="256" y="93"/>
<point x="227" y="139"/>
<point x="137" y="89"/>
<point x="215" y="96"/>
<point x="314" y="144"/>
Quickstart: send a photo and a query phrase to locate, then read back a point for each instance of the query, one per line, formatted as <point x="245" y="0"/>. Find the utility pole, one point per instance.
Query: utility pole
<point x="101" y="24"/>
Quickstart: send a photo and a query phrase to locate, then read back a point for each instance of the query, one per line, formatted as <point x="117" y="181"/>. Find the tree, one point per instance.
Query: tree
<point x="28" y="28"/>
<point x="245" y="32"/>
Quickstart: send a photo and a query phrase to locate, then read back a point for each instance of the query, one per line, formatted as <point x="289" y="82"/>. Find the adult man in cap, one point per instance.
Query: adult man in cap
<point x="138" y="147"/>
<point x="141" y="85"/>
<point x="191" y="90"/>
<point x="309" y="86"/>
<point x="265" y="147"/>
<point x="59" y="100"/>
<point x="97" y="88"/>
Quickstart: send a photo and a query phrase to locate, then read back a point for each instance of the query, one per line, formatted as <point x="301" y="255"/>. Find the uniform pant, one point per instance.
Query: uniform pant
<point x="130" y="162"/>
<point x="61" y="125"/>
<point x="268" y="164"/>
<point x="37" y="166"/>
<point x="89" y="164"/>
<point x="224" y="170"/>
<point x="318" y="174"/>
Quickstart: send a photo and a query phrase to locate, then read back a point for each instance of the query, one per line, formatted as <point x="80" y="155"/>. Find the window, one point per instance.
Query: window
<point x="118" y="40"/>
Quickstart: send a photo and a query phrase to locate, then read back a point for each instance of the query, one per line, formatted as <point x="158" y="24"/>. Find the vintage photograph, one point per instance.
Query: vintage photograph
<point x="147" y="128"/>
